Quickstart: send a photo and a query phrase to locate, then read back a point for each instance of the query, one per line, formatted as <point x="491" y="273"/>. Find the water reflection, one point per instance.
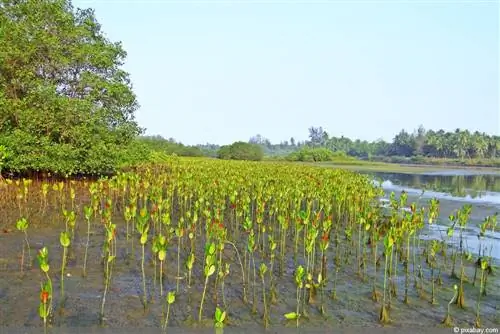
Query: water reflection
<point x="483" y="191"/>
<point x="471" y="186"/>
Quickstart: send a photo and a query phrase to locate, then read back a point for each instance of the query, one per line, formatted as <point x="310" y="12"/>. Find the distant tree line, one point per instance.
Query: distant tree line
<point x="459" y="144"/>
<point x="421" y="143"/>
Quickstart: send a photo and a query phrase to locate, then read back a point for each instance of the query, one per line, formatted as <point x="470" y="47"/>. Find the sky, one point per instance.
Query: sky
<point x="222" y="71"/>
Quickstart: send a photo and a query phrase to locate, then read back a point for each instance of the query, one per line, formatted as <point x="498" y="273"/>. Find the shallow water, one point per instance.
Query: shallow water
<point x="453" y="189"/>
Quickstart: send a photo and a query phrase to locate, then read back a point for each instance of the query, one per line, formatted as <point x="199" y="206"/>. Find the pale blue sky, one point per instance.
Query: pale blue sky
<point x="221" y="71"/>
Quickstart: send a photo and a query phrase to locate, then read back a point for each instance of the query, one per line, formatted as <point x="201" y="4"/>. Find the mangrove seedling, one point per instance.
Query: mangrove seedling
<point x="110" y="256"/>
<point x="219" y="319"/>
<point x="299" y="282"/>
<point x="65" y="242"/>
<point x="209" y="270"/>
<point x="432" y="261"/>
<point x="262" y="273"/>
<point x="463" y="219"/>
<point x="22" y="225"/>
<point x="161" y="241"/>
<point x="88" y="211"/>
<point x="448" y="322"/>
<point x="170" y="301"/>
<point x="388" y="244"/>
<point x="143" y="229"/>
<point x="45" y="308"/>
<point x="484" y="266"/>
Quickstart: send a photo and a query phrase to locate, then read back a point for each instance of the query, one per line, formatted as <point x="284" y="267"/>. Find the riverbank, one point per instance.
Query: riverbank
<point x="367" y="166"/>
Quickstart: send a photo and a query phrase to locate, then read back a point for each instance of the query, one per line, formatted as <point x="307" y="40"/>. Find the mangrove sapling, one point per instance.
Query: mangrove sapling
<point x="262" y="273"/>
<point x="272" y="289"/>
<point x="109" y="257"/>
<point x="88" y="211"/>
<point x="375" y="238"/>
<point x="322" y="273"/>
<point x="480" y="236"/>
<point x="179" y="233"/>
<point x="189" y="265"/>
<point x="143" y="229"/>
<point x="161" y="244"/>
<point x="299" y="282"/>
<point x="251" y="250"/>
<point x="311" y="236"/>
<point x="484" y="266"/>
<point x="463" y="219"/>
<point x="432" y="261"/>
<point x="45" y="308"/>
<point x="70" y="219"/>
<point x="22" y="225"/>
<point x="409" y="226"/>
<point x="388" y="245"/>
<point x="170" y="301"/>
<point x="128" y="217"/>
<point x="219" y="319"/>
<point x="209" y="270"/>
<point x="65" y="242"/>
<point x="447" y="321"/>
<point x="395" y="239"/>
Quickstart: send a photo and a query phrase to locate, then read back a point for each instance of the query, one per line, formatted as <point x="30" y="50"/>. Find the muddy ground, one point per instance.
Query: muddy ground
<point x="353" y="308"/>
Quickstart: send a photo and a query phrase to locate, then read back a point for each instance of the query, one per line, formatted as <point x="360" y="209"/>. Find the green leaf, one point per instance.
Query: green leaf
<point x="210" y="270"/>
<point x="41" y="311"/>
<point x="144" y="238"/>
<point x="291" y="316"/>
<point x="64" y="239"/>
<point x="162" y="254"/>
<point x="171" y="297"/>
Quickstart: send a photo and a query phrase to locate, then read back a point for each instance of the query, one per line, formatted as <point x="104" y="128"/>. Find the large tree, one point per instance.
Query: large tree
<point x="65" y="103"/>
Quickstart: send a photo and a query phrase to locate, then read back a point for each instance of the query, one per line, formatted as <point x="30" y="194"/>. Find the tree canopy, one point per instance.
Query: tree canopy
<point x="241" y="151"/>
<point x="65" y="103"/>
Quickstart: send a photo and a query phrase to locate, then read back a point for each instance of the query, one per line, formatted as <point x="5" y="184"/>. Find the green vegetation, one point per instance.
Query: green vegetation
<point x="67" y="107"/>
<point x="458" y="148"/>
<point x="65" y="104"/>
<point x="330" y="220"/>
<point x="241" y="151"/>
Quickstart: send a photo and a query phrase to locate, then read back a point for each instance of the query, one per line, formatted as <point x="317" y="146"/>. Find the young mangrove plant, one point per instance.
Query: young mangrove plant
<point x="161" y="244"/>
<point x="170" y="301"/>
<point x="432" y="262"/>
<point x="262" y="273"/>
<point x="463" y="218"/>
<point x="484" y="266"/>
<point x="388" y="245"/>
<point x="447" y="321"/>
<point x="209" y="270"/>
<point x="299" y="282"/>
<point x="110" y="236"/>
<point x="65" y="241"/>
<point x="143" y="229"/>
<point x="219" y="319"/>
<point x="45" y="307"/>
<point x="22" y="225"/>
<point x="88" y="211"/>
